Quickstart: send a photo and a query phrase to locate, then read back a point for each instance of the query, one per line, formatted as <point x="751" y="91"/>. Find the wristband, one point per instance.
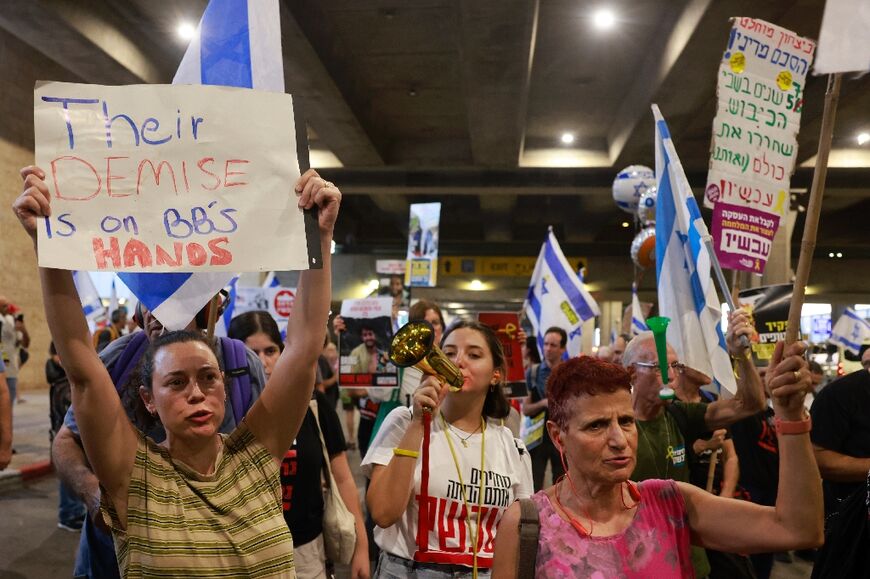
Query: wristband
<point x="793" y="426"/>
<point x="404" y="452"/>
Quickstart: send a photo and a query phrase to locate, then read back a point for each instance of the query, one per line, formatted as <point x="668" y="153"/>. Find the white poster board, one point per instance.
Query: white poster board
<point x="168" y="178"/>
<point x="276" y="300"/>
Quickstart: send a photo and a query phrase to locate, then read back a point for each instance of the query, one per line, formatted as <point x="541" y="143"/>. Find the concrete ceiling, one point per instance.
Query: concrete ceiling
<point x="464" y="102"/>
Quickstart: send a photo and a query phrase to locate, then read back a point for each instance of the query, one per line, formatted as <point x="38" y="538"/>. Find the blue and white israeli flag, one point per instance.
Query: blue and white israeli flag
<point x="238" y="43"/>
<point x="850" y="331"/>
<point x="685" y="288"/>
<point x="557" y="297"/>
<point x="92" y="305"/>
<point x="638" y="323"/>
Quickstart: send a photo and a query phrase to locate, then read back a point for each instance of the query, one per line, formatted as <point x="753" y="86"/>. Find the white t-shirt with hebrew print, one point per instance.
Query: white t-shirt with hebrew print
<point x="507" y="476"/>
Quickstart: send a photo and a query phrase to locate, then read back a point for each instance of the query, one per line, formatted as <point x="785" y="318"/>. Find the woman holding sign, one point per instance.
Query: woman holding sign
<point x="595" y="522"/>
<point x="476" y="467"/>
<point x="200" y="502"/>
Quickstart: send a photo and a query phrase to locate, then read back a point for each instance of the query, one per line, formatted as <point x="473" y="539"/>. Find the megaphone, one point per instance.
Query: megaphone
<point x="414" y="345"/>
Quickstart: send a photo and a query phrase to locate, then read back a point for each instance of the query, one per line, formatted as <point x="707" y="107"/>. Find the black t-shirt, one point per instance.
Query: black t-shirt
<point x="758" y="448"/>
<point x="302" y="468"/>
<point x="841" y="422"/>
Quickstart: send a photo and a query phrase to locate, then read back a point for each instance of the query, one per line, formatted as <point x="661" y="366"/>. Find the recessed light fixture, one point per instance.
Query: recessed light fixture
<point x="374" y="284"/>
<point x="186" y="31"/>
<point x="831" y="254"/>
<point x="604" y="19"/>
<point x="475" y="285"/>
<point x="839" y="254"/>
<point x="625" y="224"/>
<point x="567" y="138"/>
<point x="863" y="138"/>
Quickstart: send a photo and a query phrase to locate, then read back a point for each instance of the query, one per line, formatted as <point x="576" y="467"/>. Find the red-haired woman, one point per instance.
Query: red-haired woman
<point x="595" y="522"/>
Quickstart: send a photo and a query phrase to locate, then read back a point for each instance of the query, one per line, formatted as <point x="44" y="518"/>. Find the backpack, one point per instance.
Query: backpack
<point x="235" y="368"/>
<point x="529" y="532"/>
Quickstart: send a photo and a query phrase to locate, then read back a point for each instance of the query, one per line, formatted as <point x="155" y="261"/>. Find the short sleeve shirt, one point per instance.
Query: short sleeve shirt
<point x="506" y="477"/>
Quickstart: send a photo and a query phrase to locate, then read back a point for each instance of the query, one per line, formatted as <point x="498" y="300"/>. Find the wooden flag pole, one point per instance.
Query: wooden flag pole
<point x="212" y="316"/>
<point x="811" y="225"/>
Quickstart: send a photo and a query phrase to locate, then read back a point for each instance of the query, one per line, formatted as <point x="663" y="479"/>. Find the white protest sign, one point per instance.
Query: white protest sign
<point x="276" y="300"/>
<point x="762" y="77"/>
<point x="760" y="98"/>
<point x="168" y="178"/>
<point x="367" y="308"/>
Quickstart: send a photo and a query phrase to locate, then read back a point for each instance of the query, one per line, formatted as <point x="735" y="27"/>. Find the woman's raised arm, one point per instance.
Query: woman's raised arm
<point x="276" y="416"/>
<point x="107" y="435"/>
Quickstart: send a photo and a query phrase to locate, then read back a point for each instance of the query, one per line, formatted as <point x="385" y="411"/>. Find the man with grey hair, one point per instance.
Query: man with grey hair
<point x="663" y="436"/>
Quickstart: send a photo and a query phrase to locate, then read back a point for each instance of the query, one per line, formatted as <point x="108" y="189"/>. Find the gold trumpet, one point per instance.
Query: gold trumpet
<point x="414" y="345"/>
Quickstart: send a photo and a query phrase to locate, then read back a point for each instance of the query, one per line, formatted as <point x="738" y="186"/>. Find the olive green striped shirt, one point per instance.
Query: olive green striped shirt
<point x="184" y="524"/>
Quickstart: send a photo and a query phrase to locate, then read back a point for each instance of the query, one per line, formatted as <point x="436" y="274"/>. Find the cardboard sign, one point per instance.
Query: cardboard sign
<point x="506" y="327"/>
<point x="168" y="178"/>
<point x="760" y="94"/>
<point x="364" y="345"/>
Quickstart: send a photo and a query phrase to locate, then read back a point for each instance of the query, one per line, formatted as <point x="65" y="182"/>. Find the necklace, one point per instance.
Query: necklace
<point x="456" y="431"/>
<point x="669" y="451"/>
<point x="475" y="538"/>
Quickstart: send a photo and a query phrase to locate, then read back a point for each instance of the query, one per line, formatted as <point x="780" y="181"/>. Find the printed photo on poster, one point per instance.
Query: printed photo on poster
<point x="506" y="326"/>
<point x="422" y="255"/>
<point x="768" y="307"/>
<point x="364" y="345"/>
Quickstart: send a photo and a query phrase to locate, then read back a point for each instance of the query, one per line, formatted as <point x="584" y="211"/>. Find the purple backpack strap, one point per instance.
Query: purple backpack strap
<point x="236" y="368"/>
<point x="128" y="360"/>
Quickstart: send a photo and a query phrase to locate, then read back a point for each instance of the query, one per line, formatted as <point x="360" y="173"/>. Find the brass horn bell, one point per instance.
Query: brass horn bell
<point x="414" y="345"/>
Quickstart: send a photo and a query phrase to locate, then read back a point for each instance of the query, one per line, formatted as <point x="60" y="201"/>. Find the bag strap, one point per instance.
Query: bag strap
<point x="236" y="368"/>
<point x="327" y="471"/>
<point x="529" y="531"/>
<point x="128" y="360"/>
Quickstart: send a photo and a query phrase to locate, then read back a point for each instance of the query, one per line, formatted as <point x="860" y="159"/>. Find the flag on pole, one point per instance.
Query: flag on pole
<point x="557" y="297"/>
<point x="638" y="323"/>
<point x="843" y="45"/>
<point x="850" y="331"/>
<point x="238" y="43"/>
<point x="685" y="288"/>
<point x="271" y="280"/>
<point x="88" y="295"/>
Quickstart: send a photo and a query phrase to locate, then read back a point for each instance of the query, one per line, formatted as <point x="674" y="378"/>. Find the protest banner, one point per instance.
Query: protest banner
<point x="160" y="178"/>
<point x="768" y="308"/>
<point x="276" y="300"/>
<point x="364" y="345"/>
<point x="760" y="91"/>
<point x="506" y="326"/>
<point x="422" y="270"/>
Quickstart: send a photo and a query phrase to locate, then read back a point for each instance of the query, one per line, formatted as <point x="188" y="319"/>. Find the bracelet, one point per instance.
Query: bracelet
<point x="746" y="355"/>
<point x="793" y="426"/>
<point x="404" y="452"/>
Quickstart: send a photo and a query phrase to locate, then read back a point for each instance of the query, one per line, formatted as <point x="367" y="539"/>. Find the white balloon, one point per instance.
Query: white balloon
<point x="646" y="206"/>
<point x="630" y="184"/>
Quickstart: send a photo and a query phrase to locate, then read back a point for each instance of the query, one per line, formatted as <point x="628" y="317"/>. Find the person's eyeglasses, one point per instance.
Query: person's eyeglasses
<point x="675" y="366"/>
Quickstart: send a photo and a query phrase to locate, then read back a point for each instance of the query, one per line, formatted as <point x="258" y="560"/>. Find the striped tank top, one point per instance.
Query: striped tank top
<point x="184" y="524"/>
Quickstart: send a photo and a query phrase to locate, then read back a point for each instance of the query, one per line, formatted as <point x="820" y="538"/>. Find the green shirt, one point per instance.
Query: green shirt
<point x="661" y="453"/>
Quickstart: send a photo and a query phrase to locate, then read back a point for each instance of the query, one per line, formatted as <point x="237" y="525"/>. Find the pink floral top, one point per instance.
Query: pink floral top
<point x="655" y="544"/>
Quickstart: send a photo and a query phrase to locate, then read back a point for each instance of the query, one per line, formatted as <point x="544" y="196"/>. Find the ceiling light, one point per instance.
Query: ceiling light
<point x="831" y="254"/>
<point x="863" y="138"/>
<point x="374" y="284"/>
<point x="475" y="285"/>
<point x="567" y="138"/>
<point x="186" y="31"/>
<point x="625" y="224"/>
<point x="839" y="254"/>
<point x="604" y="19"/>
